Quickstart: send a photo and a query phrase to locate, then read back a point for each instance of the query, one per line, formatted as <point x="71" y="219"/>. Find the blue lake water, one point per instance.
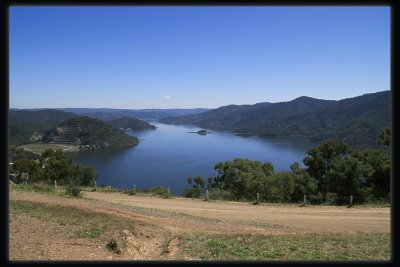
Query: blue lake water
<point x="168" y="155"/>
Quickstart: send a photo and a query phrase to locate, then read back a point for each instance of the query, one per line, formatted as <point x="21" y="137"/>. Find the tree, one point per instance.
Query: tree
<point x="198" y="181"/>
<point x="244" y="178"/>
<point x="87" y="174"/>
<point x="74" y="180"/>
<point x="28" y="166"/>
<point x="284" y="184"/>
<point x="379" y="177"/>
<point x="384" y="137"/>
<point x="319" y="162"/>
<point x="59" y="166"/>
<point x="303" y="183"/>
<point x="56" y="165"/>
<point x="346" y="177"/>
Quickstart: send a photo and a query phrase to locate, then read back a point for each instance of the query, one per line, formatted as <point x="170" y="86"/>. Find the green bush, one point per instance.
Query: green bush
<point x="192" y="193"/>
<point x="159" y="191"/>
<point x="72" y="188"/>
<point x="92" y="233"/>
<point x="129" y="192"/>
<point x="220" y="194"/>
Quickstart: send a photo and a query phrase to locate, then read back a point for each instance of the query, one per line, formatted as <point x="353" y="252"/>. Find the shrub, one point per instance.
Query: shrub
<point x="192" y="193"/>
<point x="220" y="194"/>
<point x="113" y="246"/>
<point x="72" y="189"/>
<point x="160" y="191"/>
<point x="92" y="233"/>
<point x="129" y="192"/>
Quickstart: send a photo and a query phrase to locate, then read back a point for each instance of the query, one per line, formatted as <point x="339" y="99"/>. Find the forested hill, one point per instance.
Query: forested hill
<point x="88" y="132"/>
<point x="131" y="123"/>
<point x="356" y="121"/>
<point x="27" y="126"/>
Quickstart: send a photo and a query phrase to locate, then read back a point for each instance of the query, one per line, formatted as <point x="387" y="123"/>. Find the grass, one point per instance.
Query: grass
<point x="92" y="233"/>
<point x="39" y="188"/>
<point x="304" y="247"/>
<point x="207" y="246"/>
<point x="90" y="224"/>
<point x="39" y="148"/>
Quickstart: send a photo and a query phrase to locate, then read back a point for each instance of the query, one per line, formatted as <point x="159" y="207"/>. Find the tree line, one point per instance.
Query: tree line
<point x="54" y="165"/>
<point x="332" y="172"/>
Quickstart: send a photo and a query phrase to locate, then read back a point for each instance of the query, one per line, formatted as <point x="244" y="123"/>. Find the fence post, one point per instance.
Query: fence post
<point x="95" y="184"/>
<point x="134" y="189"/>
<point x="55" y="184"/>
<point x="207" y="196"/>
<point x="305" y="200"/>
<point x="168" y="191"/>
<point x="258" y="198"/>
<point x="351" y="201"/>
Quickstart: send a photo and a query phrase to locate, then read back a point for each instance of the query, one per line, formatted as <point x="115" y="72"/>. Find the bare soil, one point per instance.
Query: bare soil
<point x="35" y="239"/>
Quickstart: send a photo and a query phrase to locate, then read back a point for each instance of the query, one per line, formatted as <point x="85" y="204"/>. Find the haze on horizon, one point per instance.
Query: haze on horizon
<point x="194" y="57"/>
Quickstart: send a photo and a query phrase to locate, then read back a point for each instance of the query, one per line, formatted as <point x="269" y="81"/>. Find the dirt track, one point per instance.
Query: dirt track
<point x="32" y="238"/>
<point x="182" y="214"/>
<point x="315" y="218"/>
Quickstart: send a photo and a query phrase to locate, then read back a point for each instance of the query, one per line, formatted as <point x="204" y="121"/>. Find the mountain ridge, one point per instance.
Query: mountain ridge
<point x="356" y="120"/>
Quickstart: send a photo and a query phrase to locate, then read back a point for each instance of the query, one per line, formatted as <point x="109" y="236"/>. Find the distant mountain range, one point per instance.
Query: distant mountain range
<point x="131" y="123"/>
<point x="356" y="121"/>
<point x="107" y="114"/>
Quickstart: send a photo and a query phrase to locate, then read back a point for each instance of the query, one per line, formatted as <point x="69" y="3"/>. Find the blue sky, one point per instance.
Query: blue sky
<point x="188" y="57"/>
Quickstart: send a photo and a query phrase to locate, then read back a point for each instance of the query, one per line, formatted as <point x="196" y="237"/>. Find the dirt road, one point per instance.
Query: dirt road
<point x="182" y="214"/>
<point x="33" y="238"/>
<point x="314" y="218"/>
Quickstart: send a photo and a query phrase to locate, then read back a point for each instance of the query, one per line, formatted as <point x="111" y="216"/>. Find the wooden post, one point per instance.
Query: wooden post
<point x="95" y="185"/>
<point x="55" y="184"/>
<point x="351" y="201"/>
<point x="207" y="196"/>
<point x="168" y="190"/>
<point x="258" y="198"/>
<point x="305" y="200"/>
<point x="134" y="189"/>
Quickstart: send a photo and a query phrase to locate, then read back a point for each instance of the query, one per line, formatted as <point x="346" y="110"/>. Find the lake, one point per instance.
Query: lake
<point x="168" y="155"/>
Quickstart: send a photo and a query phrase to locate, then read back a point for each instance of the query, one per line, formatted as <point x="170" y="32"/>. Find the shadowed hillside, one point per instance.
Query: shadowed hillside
<point x="88" y="132"/>
<point x="356" y="121"/>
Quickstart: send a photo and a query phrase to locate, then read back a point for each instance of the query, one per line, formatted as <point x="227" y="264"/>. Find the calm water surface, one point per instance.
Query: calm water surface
<point x="168" y="155"/>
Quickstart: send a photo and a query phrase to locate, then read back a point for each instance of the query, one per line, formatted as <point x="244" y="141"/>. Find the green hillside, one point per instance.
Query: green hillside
<point x="28" y="126"/>
<point x="356" y="121"/>
<point x="88" y="132"/>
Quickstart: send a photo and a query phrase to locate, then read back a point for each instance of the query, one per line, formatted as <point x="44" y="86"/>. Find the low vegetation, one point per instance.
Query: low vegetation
<point x="304" y="247"/>
<point x="333" y="173"/>
<point x="55" y="166"/>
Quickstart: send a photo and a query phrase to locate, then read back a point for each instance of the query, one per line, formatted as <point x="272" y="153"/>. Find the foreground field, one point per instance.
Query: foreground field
<point x="103" y="226"/>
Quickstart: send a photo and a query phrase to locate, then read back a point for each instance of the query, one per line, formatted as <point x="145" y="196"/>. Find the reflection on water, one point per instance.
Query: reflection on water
<point x="168" y="155"/>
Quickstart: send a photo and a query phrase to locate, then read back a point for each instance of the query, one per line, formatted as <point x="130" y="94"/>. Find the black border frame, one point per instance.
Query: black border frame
<point x="394" y="47"/>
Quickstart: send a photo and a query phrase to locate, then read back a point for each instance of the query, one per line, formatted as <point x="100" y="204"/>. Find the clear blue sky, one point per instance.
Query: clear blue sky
<point x="187" y="57"/>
